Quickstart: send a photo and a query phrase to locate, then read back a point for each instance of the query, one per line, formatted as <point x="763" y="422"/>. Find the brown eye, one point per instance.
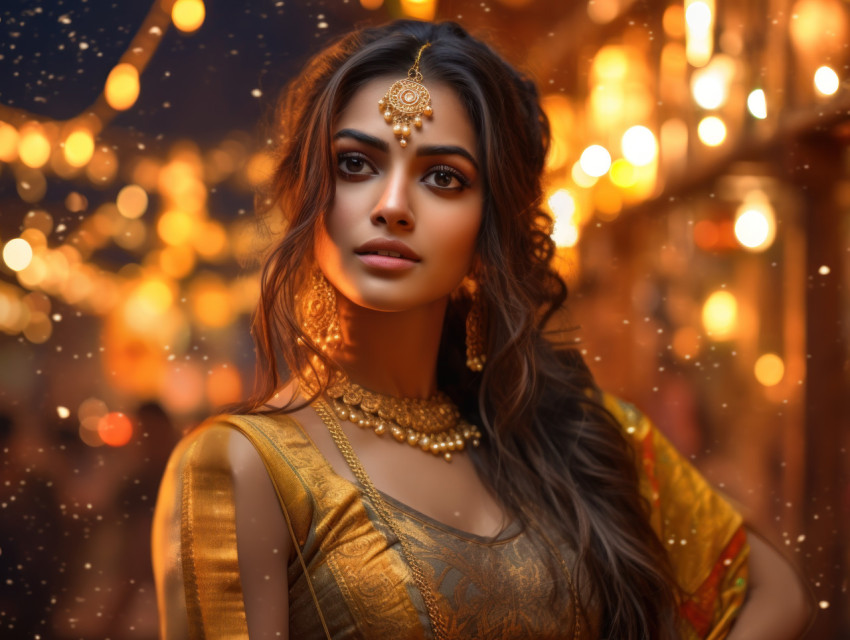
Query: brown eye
<point x="443" y="179"/>
<point x="354" y="165"/>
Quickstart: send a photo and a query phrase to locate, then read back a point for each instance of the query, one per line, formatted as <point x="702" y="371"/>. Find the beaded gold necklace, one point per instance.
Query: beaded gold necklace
<point x="433" y="425"/>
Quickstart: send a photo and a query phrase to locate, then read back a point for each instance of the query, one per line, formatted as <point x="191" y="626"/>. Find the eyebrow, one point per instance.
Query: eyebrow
<point x="381" y="145"/>
<point x="447" y="150"/>
<point x="365" y="138"/>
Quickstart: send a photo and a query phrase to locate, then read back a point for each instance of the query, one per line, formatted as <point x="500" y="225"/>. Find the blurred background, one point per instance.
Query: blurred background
<point x="699" y="177"/>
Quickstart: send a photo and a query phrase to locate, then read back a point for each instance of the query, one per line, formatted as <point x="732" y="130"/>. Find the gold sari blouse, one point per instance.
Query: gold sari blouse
<point x="485" y="588"/>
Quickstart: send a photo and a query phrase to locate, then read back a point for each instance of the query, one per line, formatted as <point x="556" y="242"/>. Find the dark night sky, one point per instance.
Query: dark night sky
<point x="55" y="56"/>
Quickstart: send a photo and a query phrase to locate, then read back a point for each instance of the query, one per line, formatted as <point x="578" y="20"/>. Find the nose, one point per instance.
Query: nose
<point x="393" y="209"/>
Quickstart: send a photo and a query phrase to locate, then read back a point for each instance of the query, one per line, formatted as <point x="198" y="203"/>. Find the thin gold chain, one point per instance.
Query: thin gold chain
<point x="438" y="623"/>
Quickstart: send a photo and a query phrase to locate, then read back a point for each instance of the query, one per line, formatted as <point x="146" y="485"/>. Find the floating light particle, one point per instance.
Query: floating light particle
<point x="63" y="412"/>
<point x="823" y="604"/>
<point x="824" y="270"/>
<point x="256" y="93"/>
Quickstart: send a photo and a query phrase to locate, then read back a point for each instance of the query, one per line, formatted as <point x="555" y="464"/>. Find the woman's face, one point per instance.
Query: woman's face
<point x="402" y="229"/>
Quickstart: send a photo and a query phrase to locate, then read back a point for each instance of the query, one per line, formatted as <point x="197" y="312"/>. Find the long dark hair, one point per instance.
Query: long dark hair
<point x="555" y="457"/>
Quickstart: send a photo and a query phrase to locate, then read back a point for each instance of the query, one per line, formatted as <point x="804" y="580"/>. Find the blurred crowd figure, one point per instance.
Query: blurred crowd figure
<point x="75" y="530"/>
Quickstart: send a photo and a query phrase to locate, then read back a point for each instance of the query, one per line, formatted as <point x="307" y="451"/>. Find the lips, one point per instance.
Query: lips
<point x="387" y="248"/>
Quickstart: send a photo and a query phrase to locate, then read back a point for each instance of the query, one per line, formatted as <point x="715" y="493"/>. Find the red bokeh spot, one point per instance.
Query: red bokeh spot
<point x="115" y="429"/>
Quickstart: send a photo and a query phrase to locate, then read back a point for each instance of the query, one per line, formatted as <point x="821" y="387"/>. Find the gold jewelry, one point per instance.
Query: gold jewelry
<point x="406" y="101"/>
<point x="475" y="352"/>
<point x="433" y="425"/>
<point x="321" y="322"/>
<point x="438" y="623"/>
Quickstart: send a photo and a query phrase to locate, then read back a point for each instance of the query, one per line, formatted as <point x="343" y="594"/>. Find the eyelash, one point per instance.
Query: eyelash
<point x="441" y="168"/>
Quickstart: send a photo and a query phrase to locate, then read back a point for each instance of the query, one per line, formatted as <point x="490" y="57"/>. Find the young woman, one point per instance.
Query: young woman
<point x="422" y="459"/>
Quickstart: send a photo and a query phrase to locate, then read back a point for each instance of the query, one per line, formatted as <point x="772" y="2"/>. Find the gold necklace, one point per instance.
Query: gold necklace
<point x="433" y="425"/>
<point x="438" y="623"/>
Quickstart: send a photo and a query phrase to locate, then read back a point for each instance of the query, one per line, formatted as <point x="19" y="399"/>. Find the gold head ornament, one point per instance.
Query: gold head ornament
<point x="407" y="101"/>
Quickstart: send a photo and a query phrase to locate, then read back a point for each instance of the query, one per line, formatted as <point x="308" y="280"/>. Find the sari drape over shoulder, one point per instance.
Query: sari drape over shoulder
<point x="486" y="587"/>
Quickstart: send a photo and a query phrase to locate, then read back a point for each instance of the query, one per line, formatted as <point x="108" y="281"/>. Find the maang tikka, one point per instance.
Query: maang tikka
<point x="407" y="101"/>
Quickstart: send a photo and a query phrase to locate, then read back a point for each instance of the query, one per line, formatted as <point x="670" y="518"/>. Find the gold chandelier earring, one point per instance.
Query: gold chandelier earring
<point x="321" y="320"/>
<point x="475" y="330"/>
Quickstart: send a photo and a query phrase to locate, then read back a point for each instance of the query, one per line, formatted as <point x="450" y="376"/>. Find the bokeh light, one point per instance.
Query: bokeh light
<point x="79" y="148"/>
<point x="17" y="254"/>
<point x="709" y="88"/>
<point x="755" y="224"/>
<point x="9" y="140"/>
<point x="623" y="173"/>
<point x="34" y="146"/>
<point x="122" y="87"/>
<point x="563" y="205"/>
<point x="188" y="15"/>
<point x="720" y="315"/>
<point x="639" y="145"/>
<point x="712" y="131"/>
<point x="115" y="429"/>
<point x="595" y="160"/>
<point x="419" y="9"/>
<point x="580" y="177"/>
<point x="132" y="201"/>
<point x="757" y="104"/>
<point x="769" y="369"/>
<point x="698" y="16"/>
<point x="826" y="81"/>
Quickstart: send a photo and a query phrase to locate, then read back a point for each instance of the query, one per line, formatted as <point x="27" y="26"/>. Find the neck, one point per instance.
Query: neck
<point x="393" y="353"/>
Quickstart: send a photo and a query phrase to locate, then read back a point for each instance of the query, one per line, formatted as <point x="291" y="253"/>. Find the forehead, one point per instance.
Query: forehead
<point x="449" y="123"/>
